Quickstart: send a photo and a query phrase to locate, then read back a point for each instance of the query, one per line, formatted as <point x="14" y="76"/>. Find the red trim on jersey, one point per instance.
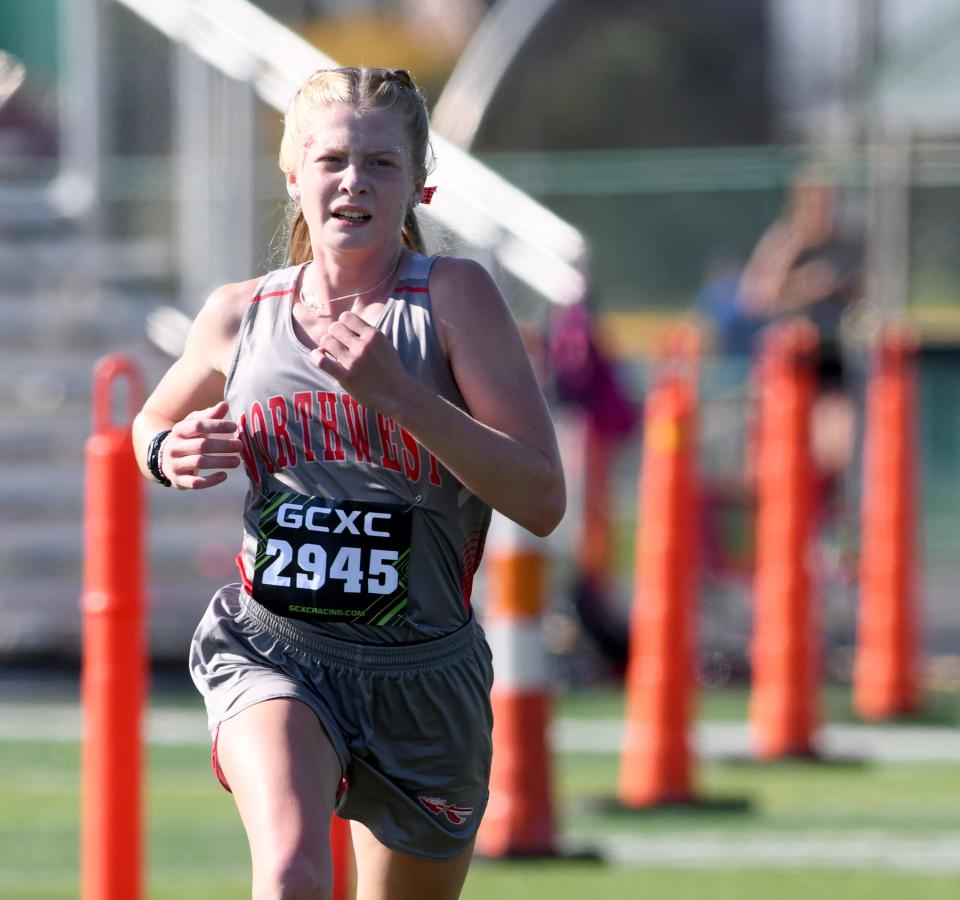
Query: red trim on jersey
<point x="274" y="294"/>
<point x="247" y="583"/>
<point x="411" y="290"/>
<point x="215" y="761"/>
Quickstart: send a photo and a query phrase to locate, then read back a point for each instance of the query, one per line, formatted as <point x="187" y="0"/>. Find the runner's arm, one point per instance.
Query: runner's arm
<point x="188" y="398"/>
<point x="504" y="449"/>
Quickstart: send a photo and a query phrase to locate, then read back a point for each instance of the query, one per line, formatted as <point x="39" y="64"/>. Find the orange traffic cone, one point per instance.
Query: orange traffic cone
<point x="886" y="665"/>
<point x="341" y="849"/>
<point x="783" y="702"/>
<point x="114" y="673"/>
<point x="655" y="765"/>
<point x="519" y="817"/>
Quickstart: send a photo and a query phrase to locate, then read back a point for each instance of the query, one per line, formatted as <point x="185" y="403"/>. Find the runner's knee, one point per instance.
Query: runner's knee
<point x="295" y="877"/>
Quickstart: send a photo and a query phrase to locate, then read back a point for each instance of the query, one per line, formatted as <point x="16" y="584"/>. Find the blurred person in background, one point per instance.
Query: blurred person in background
<point x="381" y="402"/>
<point x="804" y="264"/>
<point x="585" y="377"/>
<point x="733" y="327"/>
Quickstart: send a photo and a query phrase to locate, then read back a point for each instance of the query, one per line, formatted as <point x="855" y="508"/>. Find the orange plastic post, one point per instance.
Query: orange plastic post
<point x="519" y="820"/>
<point x="114" y="655"/>
<point x="886" y="680"/>
<point x="656" y="762"/>
<point x="784" y="651"/>
<point x="595" y="545"/>
<point x="341" y="848"/>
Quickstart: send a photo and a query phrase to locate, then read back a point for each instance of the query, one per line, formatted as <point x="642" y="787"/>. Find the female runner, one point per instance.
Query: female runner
<point x="381" y="402"/>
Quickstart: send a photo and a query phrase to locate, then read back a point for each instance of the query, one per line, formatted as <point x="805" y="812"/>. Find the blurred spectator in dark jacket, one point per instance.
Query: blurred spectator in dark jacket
<point x="805" y="264"/>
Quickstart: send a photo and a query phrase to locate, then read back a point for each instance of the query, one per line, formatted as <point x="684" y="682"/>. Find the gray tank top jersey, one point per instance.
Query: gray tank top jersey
<point x="309" y="446"/>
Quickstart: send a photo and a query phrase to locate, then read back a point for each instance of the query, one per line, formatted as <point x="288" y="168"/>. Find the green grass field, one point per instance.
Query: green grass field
<point x="196" y="846"/>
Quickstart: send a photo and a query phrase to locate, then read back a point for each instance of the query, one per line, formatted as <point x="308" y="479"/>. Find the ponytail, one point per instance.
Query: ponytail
<point x="411" y="235"/>
<point x="299" y="248"/>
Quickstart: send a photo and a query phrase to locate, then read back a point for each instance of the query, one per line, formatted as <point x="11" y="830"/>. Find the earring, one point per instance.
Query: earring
<point x="293" y="193"/>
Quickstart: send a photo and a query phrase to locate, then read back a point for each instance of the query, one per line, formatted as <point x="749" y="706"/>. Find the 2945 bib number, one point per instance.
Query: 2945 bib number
<point x="326" y="560"/>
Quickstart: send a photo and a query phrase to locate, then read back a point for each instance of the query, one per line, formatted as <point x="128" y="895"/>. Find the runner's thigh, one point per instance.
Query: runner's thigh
<point x="284" y="774"/>
<point x="385" y="874"/>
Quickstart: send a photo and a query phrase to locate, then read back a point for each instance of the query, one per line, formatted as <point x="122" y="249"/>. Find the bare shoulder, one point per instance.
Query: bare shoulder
<point x="226" y="305"/>
<point x="196" y="380"/>
<point x="455" y="281"/>
<point x="477" y="331"/>
<point x="466" y="301"/>
<point x="213" y="334"/>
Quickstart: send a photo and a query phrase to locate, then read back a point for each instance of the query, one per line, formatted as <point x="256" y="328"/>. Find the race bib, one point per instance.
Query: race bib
<point x="332" y="560"/>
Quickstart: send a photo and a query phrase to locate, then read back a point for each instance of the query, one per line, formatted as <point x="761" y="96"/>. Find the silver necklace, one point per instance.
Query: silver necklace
<point x="320" y="309"/>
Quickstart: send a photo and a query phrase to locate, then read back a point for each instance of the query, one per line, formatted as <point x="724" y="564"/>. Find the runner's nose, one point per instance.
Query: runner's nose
<point x="352" y="181"/>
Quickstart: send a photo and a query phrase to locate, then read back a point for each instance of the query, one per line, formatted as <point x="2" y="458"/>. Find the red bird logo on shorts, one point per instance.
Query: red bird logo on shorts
<point x="455" y="814"/>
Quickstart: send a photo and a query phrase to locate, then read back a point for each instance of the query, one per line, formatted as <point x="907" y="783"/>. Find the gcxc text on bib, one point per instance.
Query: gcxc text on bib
<point x="332" y="560"/>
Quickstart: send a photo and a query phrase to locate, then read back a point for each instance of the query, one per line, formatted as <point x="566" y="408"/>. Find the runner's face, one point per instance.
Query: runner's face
<point x="356" y="178"/>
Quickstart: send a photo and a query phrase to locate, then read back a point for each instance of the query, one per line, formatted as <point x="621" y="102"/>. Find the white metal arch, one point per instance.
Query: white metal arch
<point x="471" y="86"/>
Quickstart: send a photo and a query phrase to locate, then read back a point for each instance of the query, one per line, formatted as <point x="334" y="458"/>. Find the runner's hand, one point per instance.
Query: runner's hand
<point x="364" y="361"/>
<point x="203" y="440"/>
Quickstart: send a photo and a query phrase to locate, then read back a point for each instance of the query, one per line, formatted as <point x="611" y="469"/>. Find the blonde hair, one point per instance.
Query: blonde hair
<point x="365" y="89"/>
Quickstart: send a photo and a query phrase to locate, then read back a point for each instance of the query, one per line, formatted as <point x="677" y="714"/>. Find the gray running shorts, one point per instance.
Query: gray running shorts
<point x="411" y="724"/>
